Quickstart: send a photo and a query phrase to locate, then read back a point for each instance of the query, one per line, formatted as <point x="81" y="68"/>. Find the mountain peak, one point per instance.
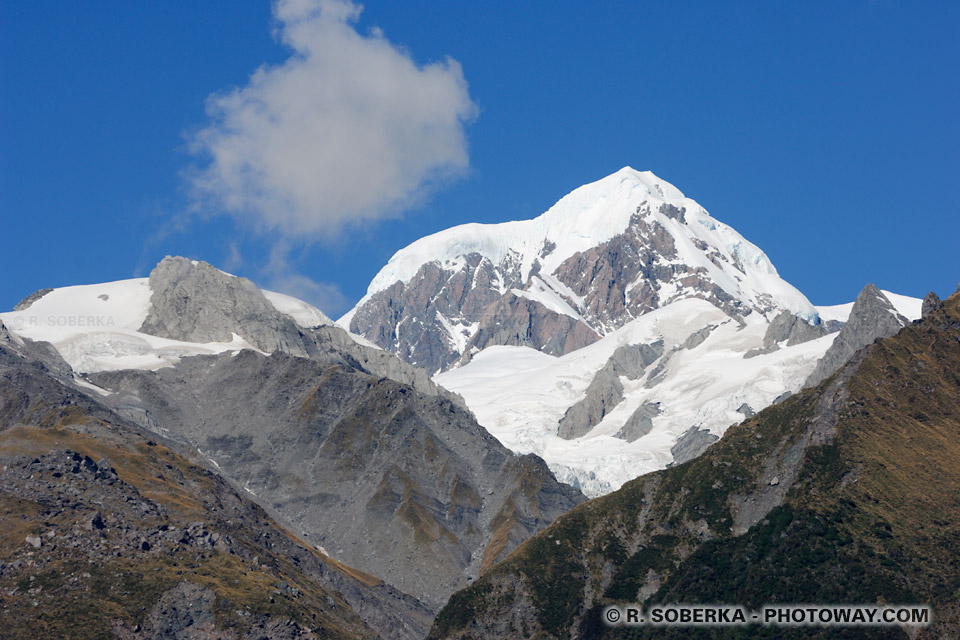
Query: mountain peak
<point x="604" y="254"/>
<point x="626" y="260"/>
<point x="591" y="216"/>
<point x="584" y="218"/>
<point x="192" y="301"/>
<point x="872" y="316"/>
<point x="649" y="180"/>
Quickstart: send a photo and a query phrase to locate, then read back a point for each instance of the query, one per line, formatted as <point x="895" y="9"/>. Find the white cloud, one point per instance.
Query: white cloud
<point x="349" y="128"/>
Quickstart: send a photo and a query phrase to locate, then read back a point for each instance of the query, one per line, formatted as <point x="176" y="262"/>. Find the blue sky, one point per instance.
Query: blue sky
<point x="825" y="132"/>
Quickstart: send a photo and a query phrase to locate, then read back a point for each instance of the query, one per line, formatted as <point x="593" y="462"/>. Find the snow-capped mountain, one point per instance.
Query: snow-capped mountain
<point x="97" y="327"/>
<point x="605" y="254"/>
<point x="350" y="447"/>
<point x="655" y="392"/>
<point x="621" y="330"/>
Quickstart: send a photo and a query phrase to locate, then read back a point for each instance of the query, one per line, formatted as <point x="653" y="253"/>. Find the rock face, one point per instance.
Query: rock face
<point x="787" y="327"/>
<point x="622" y="278"/>
<point x="606" y="392"/>
<point x="790" y="329"/>
<point x="825" y="492"/>
<point x="872" y="316"/>
<point x="195" y="302"/>
<point x="24" y="304"/>
<point x="603" y="255"/>
<point x="640" y="423"/>
<point x="931" y="303"/>
<point x="39" y="354"/>
<point x="691" y="444"/>
<point x="130" y="539"/>
<point x="400" y="484"/>
<point x="631" y="360"/>
<point x="406" y="320"/>
<point x="517" y="321"/>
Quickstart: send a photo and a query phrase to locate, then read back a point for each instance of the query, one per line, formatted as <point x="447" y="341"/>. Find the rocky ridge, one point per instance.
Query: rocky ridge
<point x="349" y="446"/>
<point x="128" y="534"/>
<point x="606" y="392"/>
<point x="193" y="301"/>
<point x="873" y="316"/>
<point x="845" y="492"/>
<point x="402" y="485"/>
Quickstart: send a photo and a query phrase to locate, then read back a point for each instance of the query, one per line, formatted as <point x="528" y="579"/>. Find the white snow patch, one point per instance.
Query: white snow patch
<point x="835" y="312"/>
<point x="908" y="307"/>
<point x="80" y="382"/>
<point x="457" y="333"/>
<point x="96" y="328"/>
<point x="566" y="292"/>
<point x="344" y="321"/>
<point x="520" y="394"/>
<point x="545" y="295"/>
<point x="304" y="314"/>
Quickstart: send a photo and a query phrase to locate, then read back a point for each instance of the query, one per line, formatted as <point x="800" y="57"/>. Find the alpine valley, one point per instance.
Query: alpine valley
<point x="188" y="455"/>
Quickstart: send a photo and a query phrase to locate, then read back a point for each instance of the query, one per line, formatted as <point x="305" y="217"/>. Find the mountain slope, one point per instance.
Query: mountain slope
<point x="846" y="493"/>
<point x="131" y="539"/>
<point x="402" y="485"/>
<point x="342" y="442"/>
<point x="612" y="269"/>
<point x="615" y="409"/>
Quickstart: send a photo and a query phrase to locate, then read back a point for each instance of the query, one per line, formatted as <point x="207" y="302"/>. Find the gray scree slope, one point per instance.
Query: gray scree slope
<point x="356" y="450"/>
<point x="35" y="383"/>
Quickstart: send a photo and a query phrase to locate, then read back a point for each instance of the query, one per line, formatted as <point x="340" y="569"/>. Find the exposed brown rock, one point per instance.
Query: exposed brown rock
<point x="518" y="321"/>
